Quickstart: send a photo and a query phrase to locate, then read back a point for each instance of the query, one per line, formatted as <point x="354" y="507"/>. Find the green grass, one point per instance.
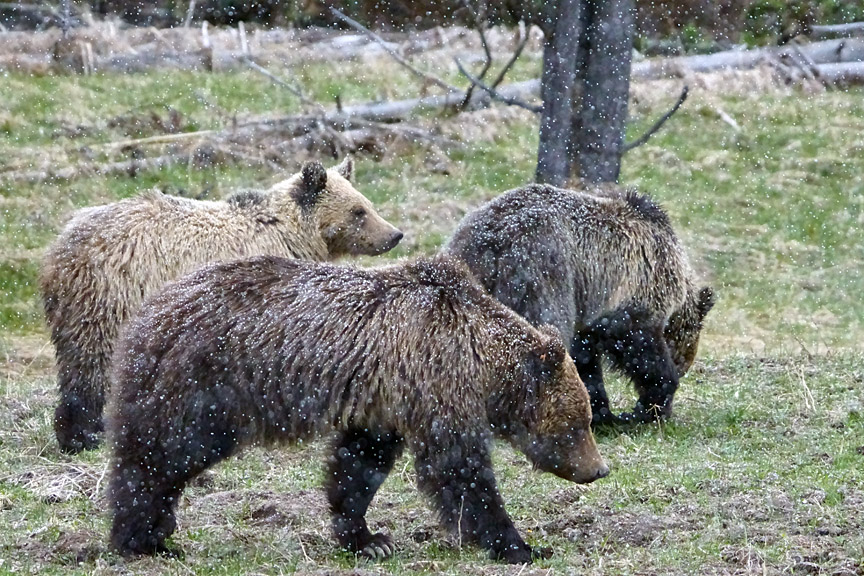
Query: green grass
<point x="762" y="461"/>
<point x="760" y="470"/>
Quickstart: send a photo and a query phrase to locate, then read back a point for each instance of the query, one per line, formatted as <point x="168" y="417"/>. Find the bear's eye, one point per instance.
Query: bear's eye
<point x="358" y="212"/>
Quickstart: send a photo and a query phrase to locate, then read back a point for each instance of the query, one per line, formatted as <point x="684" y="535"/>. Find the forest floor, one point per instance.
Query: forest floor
<point x="761" y="469"/>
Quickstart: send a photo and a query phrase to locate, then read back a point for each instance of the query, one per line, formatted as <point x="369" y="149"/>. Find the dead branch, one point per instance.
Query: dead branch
<point x="393" y="54"/>
<point x="658" y="124"/>
<point x="189" y="13"/>
<point x="261" y="141"/>
<point x="495" y="94"/>
<point x="480" y="25"/>
<point x="725" y="117"/>
<point x="162" y="139"/>
<point x="516" y="53"/>
<point x="290" y="87"/>
<point x="806" y="63"/>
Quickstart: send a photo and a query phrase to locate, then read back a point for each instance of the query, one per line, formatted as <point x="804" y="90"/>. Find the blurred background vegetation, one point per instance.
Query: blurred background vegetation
<point x="691" y="22"/>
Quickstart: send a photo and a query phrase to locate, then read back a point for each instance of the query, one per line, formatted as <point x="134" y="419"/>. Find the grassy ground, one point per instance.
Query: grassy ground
<point x="760" y="470"/>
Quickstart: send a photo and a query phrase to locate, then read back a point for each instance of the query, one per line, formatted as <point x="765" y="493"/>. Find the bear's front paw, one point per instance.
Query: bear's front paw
<point x="133" y="549"/>
<point x="641" y="415"/>
<point x="604" y="417"/>
<point x="517" y="553"/>
<point x="379" y="547"/>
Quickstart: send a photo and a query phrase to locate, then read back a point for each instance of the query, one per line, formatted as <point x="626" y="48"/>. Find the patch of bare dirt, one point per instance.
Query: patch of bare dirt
<point x="70" y="548"/>
<point x="596" y="529"/>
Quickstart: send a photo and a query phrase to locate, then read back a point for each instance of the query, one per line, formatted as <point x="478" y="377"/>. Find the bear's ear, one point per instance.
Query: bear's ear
<point x="706" y="301"/>
<point x="550" y="352"/>
<point x="313" y="182"/>
<point x="346" y="168"/>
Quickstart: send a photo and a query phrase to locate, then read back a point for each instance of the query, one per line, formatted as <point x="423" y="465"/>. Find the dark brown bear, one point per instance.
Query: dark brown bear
<point x="273" y="350"/>
<point x="606" y="268"/>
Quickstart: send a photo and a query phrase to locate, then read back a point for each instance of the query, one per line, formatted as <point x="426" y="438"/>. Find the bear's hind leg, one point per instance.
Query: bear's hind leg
<point x="360" y="463"/>
<point x="78" y="416"/>
<point x="143" y="510"/>
<point x="152" y="463"/>
<point x="456" y="472"/>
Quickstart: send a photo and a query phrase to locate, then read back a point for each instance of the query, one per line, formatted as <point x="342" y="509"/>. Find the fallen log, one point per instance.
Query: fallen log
<point x="841" y="73"/>
<point x="829" y="51"/>
<point x="399" y="110"/>
<point x="825" y="32"/>
<point x="254" y="142"/>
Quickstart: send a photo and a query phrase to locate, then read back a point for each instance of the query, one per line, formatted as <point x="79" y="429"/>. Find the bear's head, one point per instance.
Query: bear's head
<point x="347" y="220"/>
<point x="560" y="440"/>
<point x="685" y="325"/>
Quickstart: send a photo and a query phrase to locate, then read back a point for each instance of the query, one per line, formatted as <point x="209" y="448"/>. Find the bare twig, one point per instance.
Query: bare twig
<point x="806" y="63"/>
<point x="480" y="25"/>
<point x="291" y="87"/>
<point x="516" y="54"/>
<point x="657" y="125"/>
<point x="727" y="119"/>
<point x="497" y="95"/>
<point x="393" y="54"/>
<point x="786" y="73"/>
<point x="162" y="139"/>
<point x="804" y="56"/>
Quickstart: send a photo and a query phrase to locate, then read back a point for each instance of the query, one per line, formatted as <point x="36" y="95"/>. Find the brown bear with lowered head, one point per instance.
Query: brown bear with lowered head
<point x="606" y="268"/>
<point x="273" y="350"/>
<point x="109" y="258"/>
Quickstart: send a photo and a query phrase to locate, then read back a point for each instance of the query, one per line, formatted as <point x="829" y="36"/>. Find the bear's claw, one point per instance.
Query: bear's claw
<point x="379" y="547"/>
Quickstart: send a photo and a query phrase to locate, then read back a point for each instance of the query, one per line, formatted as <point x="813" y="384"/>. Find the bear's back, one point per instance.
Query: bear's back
<point x="338" y="332"/>
<point x="581" y="251"/>
<point x="140" y="243"/>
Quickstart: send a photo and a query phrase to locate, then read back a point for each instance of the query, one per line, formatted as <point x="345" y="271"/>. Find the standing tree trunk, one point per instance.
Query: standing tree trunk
<point x="586" y="86"/>
<point x="606" y="90"/>
<point x="562" y="27"/>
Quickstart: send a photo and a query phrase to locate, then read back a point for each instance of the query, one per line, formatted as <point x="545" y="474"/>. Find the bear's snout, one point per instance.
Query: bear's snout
<point x="602" y="472"/>
<point x="395" y="238"/>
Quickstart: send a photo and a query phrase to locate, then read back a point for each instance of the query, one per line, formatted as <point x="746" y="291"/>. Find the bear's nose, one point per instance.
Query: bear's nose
<point x="602" y="472"/>
<point x="397" y="236"/>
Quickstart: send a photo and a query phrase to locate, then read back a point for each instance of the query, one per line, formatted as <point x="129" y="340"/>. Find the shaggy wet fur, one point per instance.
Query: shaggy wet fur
<point x="274" y="350"/>
<point x="606" y="269"/>
<point x="110" y="258"/>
